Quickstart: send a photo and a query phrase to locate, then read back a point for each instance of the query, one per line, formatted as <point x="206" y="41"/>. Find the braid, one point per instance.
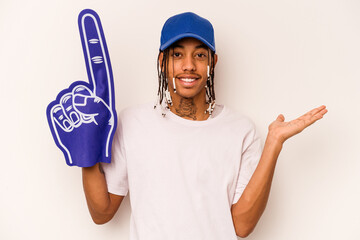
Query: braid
<point x="210" y="83"/>
<point x="212" y="75"/>
<point x="162" y="76"/>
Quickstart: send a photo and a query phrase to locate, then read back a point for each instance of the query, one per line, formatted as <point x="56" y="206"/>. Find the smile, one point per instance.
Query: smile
<point x="187" y="80"/>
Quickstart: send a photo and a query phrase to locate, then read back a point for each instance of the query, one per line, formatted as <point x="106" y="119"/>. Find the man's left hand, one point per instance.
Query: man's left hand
<point x="281" y="130"/>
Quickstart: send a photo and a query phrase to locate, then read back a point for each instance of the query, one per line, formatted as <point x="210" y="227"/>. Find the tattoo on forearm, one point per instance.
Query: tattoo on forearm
<point x="101" y="169"/>
<point x="187" y="108"/>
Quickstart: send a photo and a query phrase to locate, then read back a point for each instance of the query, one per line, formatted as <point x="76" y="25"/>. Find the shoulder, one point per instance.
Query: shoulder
<point x="136" y="116"/>
<point x="136" y="111"/>
<point x="237" y="119"/>
<point x="242" y="125"/>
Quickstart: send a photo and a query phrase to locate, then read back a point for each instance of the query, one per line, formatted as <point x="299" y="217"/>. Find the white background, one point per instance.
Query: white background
<point x="279" y="56"/>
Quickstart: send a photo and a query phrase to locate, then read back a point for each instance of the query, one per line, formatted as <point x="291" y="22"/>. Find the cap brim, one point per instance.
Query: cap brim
<point x="184" y="35"/>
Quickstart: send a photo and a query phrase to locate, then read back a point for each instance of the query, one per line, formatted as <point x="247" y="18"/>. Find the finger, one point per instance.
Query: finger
<point x="60" y="119"/>
<point x="280" y="118"/>
<point x="316" y="110"/>
<point x="66" y="103"/>
<point x="89" y="104"/>
<point x="315" y="115"/>
<point x="319" y="115"/>
<point x="94" y="107"/>
<point x="323" y="112"/>
<point x="96" y="55"/>
<point x="309" y="116"/>
<point x="81" y="90"/>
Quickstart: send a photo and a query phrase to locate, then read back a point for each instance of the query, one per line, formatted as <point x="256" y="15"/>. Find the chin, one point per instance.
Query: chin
<point x="187" y="94"/>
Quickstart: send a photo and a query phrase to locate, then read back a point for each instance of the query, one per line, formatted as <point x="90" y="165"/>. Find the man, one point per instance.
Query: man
<point x="194" y="169"/>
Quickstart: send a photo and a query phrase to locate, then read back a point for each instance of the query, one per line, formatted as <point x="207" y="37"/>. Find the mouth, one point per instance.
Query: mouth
<point x="187" y="81"/>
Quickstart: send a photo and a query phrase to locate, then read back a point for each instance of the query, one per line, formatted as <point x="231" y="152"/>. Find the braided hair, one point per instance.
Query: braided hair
<point x="163" y="82"/>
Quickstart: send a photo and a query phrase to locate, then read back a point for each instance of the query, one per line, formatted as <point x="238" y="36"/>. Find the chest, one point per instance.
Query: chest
<point x="186" y="158"/>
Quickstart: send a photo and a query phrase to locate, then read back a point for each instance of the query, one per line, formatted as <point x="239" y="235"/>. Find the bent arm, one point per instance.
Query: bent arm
<point x="102" y="204"/>
<point x="249" y="208"/>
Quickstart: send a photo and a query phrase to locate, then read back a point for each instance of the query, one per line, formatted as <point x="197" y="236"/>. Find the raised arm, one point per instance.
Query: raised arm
<point x="249" y="208"/>
<point x="102" y="205"/>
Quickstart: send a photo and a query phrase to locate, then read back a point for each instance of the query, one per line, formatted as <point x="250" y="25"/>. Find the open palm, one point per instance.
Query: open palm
<point x="284" y="130"/>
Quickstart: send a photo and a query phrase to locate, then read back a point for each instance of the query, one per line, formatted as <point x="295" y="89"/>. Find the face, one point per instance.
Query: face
<point x="188" y="62"/>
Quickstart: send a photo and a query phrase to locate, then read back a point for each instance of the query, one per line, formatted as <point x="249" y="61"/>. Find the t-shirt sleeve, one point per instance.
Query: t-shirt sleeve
<point x="252" y="150"/>
<point x="116" y="172"/>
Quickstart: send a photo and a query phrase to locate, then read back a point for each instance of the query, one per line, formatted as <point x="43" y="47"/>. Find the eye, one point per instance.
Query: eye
<point x="201" y="55"/>
<point x="176" y="54"/>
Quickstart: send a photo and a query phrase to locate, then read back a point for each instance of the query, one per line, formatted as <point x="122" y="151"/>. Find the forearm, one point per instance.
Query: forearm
<point x="97" y="197"/>
<point x="249" y="208"/>
<point x="247" y="211"/>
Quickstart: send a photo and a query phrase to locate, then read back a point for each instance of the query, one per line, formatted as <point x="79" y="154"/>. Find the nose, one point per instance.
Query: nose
<point x="188" y="64"/>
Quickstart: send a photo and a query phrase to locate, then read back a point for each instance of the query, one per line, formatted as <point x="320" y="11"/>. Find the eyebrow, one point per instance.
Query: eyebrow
<point x="177" y="46"/>
<point x="202" y="46"/>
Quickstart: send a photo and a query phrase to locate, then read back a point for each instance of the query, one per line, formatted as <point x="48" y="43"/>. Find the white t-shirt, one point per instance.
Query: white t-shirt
<point x="182" y="175"/>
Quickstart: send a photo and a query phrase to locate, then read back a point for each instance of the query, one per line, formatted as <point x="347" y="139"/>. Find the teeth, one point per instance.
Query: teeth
<point x="187" y="79"/>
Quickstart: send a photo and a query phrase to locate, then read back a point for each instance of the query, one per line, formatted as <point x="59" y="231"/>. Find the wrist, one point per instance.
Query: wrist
<point x="273" y="140"/>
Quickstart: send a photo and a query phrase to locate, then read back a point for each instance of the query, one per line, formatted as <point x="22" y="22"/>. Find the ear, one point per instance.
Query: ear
<point x="215" y="59"/>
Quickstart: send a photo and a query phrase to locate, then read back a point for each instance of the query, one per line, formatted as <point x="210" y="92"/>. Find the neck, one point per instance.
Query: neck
<point x="190" y="108"/>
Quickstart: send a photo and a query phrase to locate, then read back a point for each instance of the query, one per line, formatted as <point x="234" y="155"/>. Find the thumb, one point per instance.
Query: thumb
<point x="280" y="118"/>
<point x="90" y="105"/>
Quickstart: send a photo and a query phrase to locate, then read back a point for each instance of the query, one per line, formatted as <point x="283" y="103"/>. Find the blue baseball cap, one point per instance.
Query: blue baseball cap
<point x="184" y="25"/>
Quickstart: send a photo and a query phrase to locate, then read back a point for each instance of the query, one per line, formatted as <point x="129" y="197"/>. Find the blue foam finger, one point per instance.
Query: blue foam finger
<point x="96" y="55"/>
<point x="83" y="119"/>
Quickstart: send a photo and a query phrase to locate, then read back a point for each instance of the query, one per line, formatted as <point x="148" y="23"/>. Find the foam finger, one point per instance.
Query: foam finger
<point x="84" y="92"/>
<point x="96" y="55"/>
<point x="60" y="119"/>
<point x="66" y="102"/>
<point x="80" y="89"/>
